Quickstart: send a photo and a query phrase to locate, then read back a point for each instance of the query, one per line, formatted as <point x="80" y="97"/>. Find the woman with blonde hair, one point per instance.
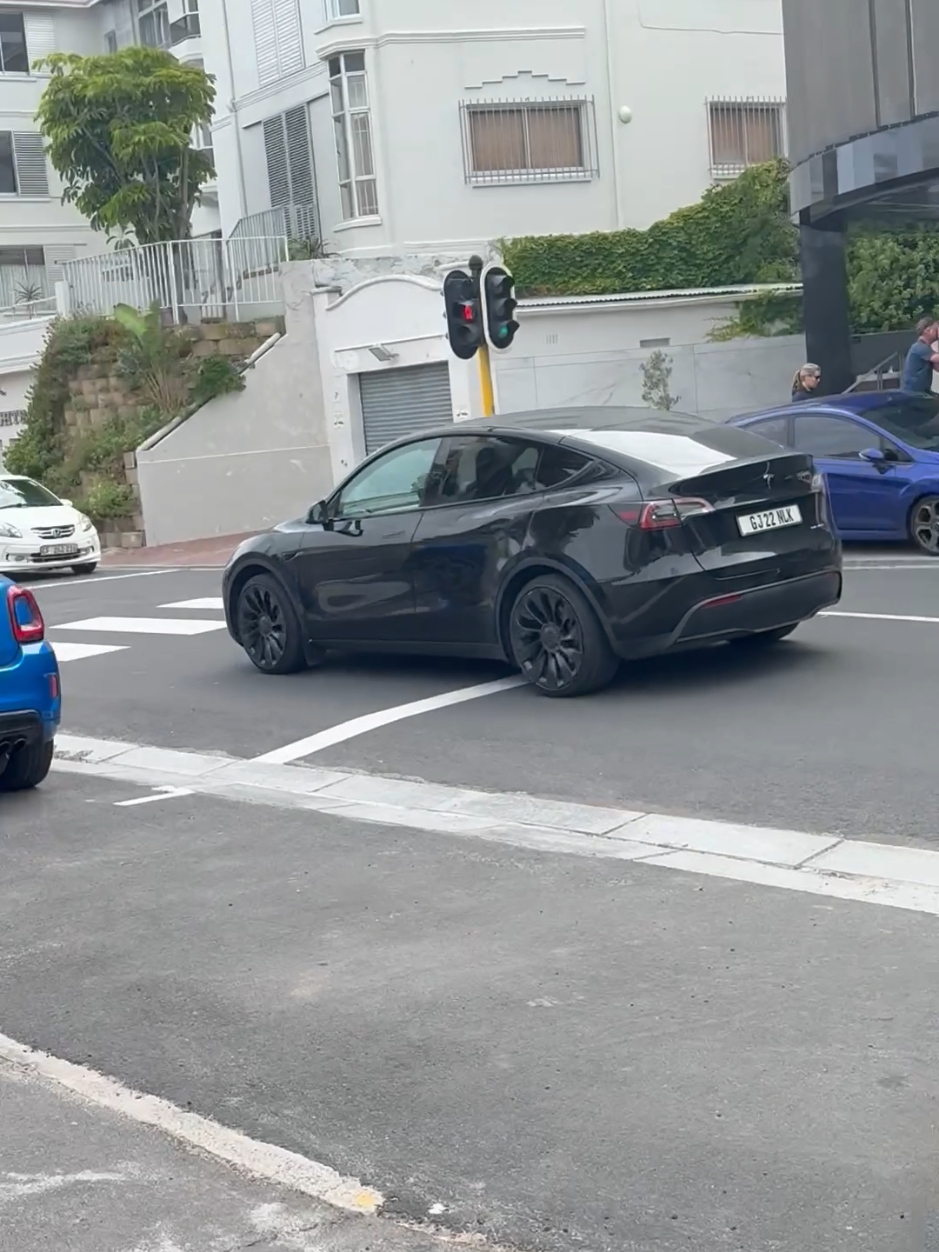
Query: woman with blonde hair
<point x="806" y="381"/>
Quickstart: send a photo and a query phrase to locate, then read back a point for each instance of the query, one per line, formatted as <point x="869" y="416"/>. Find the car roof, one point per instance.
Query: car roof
<point x="866" y="404"/>
<point x="653" y="445"/>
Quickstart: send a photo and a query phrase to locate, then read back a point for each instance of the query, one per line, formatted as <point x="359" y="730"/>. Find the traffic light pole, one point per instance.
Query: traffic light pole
<point x="485" y="382"/>
<point x="477" y="265"/>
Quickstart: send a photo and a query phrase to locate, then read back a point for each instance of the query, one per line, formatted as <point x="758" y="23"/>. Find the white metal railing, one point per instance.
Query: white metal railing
<point x="296" y="221"/>
<point x="191" y="280"/>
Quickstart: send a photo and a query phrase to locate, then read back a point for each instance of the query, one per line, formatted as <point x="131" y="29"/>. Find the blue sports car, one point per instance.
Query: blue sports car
<point x="30" y="700"/>
<point x="879" y="452"/>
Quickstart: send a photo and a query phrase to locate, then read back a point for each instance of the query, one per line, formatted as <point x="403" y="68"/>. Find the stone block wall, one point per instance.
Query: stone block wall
<point x="97" y="393"/>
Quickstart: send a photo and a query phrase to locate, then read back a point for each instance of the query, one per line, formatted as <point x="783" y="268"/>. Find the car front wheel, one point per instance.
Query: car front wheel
<point x="557" y="640"/>
<point x="924" y="525"/>
<point x="27" y="767"/>
<point x="88" y="568"/>
<point x="268" y="627"/>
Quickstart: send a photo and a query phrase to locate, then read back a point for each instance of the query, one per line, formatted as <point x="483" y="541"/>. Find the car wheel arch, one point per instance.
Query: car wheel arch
<point x="524" y="573"/>
<point x="250" y="568"/>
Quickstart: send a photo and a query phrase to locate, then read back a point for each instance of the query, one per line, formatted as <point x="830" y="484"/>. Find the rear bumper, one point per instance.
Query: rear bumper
<point x="30" y="695"/>
<point x="745" y="613"/>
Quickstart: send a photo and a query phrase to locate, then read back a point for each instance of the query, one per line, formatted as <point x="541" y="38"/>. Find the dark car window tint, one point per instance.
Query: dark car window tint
<point x="482" y="468"/>
<point x="913" y="419"/>
<point x="393" y="483"/>
<point x="558" y="466"/>
<point x="832" y="436"/>
<point x="774" y="428"/>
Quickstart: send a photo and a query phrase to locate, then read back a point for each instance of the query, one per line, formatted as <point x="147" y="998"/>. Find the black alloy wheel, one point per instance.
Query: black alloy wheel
<point x="924" y="525"/>
<point x="557" y="641"/>
<point x="268" y="627"/>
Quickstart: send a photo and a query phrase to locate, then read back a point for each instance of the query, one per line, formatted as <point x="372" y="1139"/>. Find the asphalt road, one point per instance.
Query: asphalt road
<point x="830" y="731"/>
<point x="555" y="1052"/>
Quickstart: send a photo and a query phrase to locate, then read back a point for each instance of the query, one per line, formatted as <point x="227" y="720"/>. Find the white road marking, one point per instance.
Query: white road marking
<point x="160" y="793"/>
<point x="372" y="721"/>
<point x="891" y="875"/>
<point x="879" y="617"/>
<point x="81" y="651"/>
<point x="260" y="1160"/>
<point x="201" y="602"/>
<point x="143" y="625"/>
<point x="92" y="580"/>
<point x="930" y="564"/>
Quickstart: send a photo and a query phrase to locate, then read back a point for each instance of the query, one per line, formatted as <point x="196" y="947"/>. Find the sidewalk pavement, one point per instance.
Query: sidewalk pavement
<point x="78" y="1178"/>
<point x="211" y="552"/>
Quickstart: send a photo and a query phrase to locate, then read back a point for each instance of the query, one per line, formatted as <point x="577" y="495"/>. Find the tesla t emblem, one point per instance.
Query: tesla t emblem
<point x="769" y="478"/>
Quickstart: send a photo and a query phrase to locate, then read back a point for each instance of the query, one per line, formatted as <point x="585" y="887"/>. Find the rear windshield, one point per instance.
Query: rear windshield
<point x="678" y="455"/>
<point x="913" y="419"/>
<point x="23" y="493"/>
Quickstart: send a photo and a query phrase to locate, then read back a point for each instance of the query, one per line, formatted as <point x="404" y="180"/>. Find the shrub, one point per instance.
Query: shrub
<point x="106" y="500"/>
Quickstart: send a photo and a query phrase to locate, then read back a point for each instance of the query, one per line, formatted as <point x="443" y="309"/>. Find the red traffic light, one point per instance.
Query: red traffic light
<point x="469" y="313"/>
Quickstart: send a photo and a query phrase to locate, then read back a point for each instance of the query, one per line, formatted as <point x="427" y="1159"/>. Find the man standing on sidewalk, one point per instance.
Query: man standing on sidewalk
<point x="922" y="357"/>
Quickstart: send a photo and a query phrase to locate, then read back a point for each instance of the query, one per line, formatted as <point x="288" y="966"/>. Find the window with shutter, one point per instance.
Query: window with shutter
<point x="299" y="160"/>
<point x="55" y="256"/>
<point x="275" y="148"/>
<point x="29" y="151"/>
<point x="289" y="38"/>
<point x="265" y="40"/>
<point x="278" y="38"/>
<point x="40" y="35"/>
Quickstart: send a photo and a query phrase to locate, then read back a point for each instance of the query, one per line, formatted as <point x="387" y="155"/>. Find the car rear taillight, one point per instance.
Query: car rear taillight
<point x="664" y="514"/>
<point x="25" y="617"/>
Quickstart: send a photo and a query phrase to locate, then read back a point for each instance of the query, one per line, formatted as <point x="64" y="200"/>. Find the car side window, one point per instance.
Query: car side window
<point x="829" y="436"/>
<point x="774" y="428"/>
<point x="483" y="467"/>
<point x="559" y="465"/>
<point x="394" y="483"/>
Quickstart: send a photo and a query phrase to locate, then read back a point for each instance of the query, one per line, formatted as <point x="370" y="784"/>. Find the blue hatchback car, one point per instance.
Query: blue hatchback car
<point x="879" y="452"/>
<point x="30" y="698"/>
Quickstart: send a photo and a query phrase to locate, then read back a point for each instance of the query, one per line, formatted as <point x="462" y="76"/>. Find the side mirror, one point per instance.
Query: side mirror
<point x="67" y="503"/>
<point x="874" y="455"/>
<point x="317" y="515"/>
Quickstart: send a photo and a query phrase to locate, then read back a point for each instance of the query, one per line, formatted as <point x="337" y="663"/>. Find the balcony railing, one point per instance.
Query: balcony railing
<point x="295" y="221"/>
<point x="191" y="280"/>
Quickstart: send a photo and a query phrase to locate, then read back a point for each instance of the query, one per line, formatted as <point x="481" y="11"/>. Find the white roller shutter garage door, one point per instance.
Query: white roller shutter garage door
<point x="404" y="401"/>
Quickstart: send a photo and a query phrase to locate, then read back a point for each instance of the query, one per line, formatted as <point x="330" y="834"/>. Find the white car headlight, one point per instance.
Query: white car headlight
<point x="85" y="523"/>
<point x="9" y="532"/>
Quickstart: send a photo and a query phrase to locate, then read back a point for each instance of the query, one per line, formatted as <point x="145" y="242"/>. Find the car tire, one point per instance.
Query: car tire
<point x="557" y="641"/>
<point x="924" y="525"/>
<point x="268" y="627"/>
<point x="27" y="767"/>
<point x="763" y="638"/>
<point x="88" y="568"/>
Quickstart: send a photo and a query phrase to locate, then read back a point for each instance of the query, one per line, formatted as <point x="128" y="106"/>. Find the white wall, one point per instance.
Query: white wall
<point x="663" y="59"/>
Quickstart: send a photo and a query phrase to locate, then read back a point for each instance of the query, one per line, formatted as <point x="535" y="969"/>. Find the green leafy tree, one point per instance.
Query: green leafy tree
<point x="119" y="133"/>
<point x="656" y="376"/>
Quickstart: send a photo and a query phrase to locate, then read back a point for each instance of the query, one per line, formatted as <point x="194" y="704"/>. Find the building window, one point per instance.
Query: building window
<point x="153" y="24"/>
<point x="24" y="278"/>
<point x="22" y="164"/>
<point x="13" y="55"/>
<point x="744" y="133"/>
<point x="506" y="141"/>
<point x="358" y="188"/>
<point x="341" y="8"/>
<point x="278" y="39"/>
<point x="290" y="177"/>
<point x="186" y="25"/>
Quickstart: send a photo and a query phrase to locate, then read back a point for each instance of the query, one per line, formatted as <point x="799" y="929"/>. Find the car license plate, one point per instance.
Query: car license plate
<point x="769" y="519"/>
<point x="59" y="549"/>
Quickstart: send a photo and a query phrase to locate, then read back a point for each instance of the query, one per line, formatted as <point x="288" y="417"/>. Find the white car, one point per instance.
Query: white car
<point x="40" y="531"/>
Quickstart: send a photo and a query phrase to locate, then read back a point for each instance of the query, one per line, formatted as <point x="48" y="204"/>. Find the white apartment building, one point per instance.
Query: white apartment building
<point x="38" y="232"/>
<point x="418" y="126"/>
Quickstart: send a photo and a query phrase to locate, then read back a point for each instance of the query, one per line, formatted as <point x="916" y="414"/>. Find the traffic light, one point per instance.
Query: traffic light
<point x="500" y="304"/>
<point x="464" y="314"/>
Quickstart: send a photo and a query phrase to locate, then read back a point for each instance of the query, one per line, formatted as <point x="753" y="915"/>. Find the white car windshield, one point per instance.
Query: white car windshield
<point x="23" y="493"/>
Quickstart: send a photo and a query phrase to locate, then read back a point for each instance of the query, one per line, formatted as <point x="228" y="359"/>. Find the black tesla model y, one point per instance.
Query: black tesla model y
<point x="559" y="541"/>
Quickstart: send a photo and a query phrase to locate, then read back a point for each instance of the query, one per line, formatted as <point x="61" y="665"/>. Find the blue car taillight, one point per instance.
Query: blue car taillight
<point x="25" y="616"/>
